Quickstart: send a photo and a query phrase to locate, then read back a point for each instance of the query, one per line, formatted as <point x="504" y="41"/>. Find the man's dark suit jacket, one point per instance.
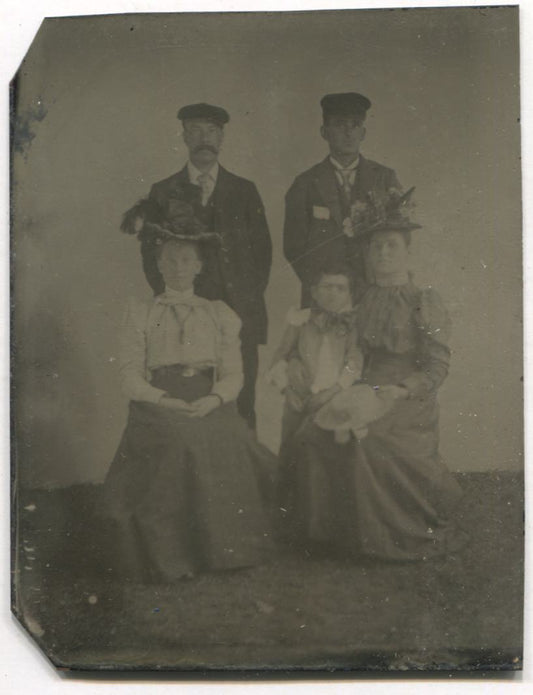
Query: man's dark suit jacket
<point x="244" y="256"/>
<point x="313" y="233"/>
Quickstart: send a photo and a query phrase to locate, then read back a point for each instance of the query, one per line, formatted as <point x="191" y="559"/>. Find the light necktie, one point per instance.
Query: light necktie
<point x="346" y="183"/>
<point x="205" y="182"/>
<point x="182" y="308"/>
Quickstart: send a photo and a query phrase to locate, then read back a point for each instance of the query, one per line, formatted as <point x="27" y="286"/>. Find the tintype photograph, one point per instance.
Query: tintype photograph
<point x="267" y="341"/>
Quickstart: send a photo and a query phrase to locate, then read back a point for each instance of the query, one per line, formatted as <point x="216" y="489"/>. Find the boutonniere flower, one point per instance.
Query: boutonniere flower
<point x="347" y="227"/>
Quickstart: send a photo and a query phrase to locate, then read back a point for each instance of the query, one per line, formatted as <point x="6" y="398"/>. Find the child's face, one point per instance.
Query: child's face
<point x="332" y="293"/>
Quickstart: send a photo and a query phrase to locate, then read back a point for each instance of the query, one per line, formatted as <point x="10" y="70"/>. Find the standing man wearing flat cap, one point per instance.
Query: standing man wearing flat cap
<point x="318" y="204"/>
<point x="237" y="270"/>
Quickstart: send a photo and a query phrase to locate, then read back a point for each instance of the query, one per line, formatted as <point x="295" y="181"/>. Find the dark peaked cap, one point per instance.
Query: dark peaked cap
<point x="346" y="104"/>
<point x="211" y="113"/>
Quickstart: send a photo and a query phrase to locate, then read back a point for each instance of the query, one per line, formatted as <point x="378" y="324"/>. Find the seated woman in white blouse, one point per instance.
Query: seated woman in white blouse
<point x="184" y="487"/>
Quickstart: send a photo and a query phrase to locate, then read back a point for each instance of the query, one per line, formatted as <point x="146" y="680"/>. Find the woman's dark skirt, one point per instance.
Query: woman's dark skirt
<point x="187" y="494"/>
<point x="388" y="496"/>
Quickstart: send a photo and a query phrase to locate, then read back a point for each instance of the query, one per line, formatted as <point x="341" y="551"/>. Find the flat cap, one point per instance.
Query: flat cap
<point x="345" y="104"/>
<point x="211" y="113"/>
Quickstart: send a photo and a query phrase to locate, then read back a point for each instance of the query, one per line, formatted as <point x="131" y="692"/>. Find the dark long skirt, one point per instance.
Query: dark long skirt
<point x="388" y="495"/>
<point x="187" y="494"/>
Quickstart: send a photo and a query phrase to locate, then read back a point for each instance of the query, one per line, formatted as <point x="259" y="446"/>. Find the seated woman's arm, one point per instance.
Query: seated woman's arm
<point x="353" y="362"/>
<point x="277" y="374"/>
<point x="287" y="344"/>
<point x="229" y="373"/>
<point x="132" y="355"/>
<point x="434" y="325"/>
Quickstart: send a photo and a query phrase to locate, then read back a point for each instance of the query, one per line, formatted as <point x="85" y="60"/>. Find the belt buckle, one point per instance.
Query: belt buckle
<point x="188" y="371"/>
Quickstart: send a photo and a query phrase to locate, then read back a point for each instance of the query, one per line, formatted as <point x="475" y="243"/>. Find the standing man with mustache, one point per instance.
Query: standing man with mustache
<point x="237" y="270"/>
<point x="319" y="203"/>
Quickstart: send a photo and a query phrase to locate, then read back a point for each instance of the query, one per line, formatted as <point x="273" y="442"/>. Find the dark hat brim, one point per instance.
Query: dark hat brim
<point x="204" y="111"/>
<point x="388" y="227"/>
<point x="161" y="234"/>
<point x="345" y="104"/>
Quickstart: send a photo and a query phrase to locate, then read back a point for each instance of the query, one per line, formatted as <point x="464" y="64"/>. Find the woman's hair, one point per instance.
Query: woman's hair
<point x="405" y="233"/>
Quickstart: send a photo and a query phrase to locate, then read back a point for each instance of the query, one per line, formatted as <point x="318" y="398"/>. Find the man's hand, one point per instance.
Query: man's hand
<point x="347" y="227"/>
<point x="203" y="406"/>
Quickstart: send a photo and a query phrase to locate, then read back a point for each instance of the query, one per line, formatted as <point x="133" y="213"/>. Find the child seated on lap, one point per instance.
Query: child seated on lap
<point x="319" y="358"/>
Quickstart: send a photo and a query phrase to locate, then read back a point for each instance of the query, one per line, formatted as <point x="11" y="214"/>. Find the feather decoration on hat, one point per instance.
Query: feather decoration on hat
<point x="383" y="212"/>
<point x="175" y="219"/>
<point x="134" y="218"/>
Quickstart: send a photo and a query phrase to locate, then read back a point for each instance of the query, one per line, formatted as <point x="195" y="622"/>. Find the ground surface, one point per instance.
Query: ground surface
<point x="464" y="612"/>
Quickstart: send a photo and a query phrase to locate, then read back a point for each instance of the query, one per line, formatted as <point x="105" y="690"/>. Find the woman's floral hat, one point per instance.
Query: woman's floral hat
<point x="149" y="220"/>
<point x="389" y="212"/>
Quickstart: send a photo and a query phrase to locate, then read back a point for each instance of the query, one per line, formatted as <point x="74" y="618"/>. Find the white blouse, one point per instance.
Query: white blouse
<point x="179" y="328"/>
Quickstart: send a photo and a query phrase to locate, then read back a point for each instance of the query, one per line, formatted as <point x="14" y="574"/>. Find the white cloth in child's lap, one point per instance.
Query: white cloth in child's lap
<point x="352" y="409"/>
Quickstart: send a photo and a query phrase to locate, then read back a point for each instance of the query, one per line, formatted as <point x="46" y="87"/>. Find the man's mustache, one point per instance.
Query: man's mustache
<point x="209" y="148"/>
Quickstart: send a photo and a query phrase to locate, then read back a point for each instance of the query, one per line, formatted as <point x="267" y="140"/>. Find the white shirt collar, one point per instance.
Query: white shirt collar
<point x="194" y="173"/>
<point x="179" y="294"/>
<point x="400" y="278"/>
<point x="352" y="167"/>
<point x="347" y="307"/>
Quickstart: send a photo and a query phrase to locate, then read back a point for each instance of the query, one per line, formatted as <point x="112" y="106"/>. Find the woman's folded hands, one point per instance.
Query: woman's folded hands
<point x="203" y="406"/>
<point x="198" y="408"/>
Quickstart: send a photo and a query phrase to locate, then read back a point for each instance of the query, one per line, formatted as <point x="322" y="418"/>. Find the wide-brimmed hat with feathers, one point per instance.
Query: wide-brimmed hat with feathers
<point x="379" y="213"/>
<point x="174" y="220"/>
